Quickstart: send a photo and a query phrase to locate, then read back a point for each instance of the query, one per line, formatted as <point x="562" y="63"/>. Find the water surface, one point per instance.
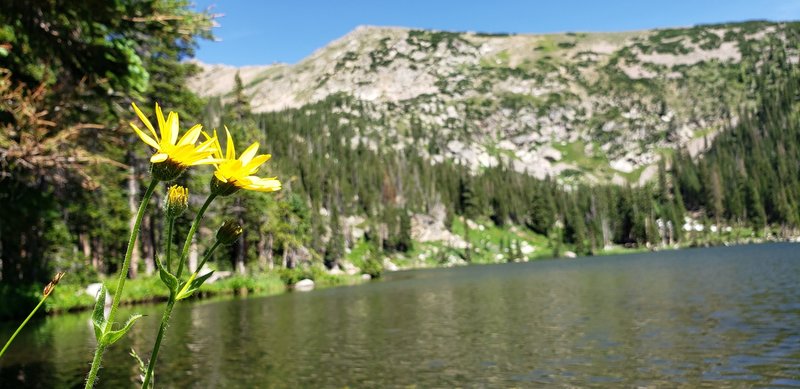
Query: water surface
<point x="701" y="317"/>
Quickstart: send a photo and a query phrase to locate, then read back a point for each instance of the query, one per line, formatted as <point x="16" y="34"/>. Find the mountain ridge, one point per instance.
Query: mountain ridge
<point x="599" y="107"/>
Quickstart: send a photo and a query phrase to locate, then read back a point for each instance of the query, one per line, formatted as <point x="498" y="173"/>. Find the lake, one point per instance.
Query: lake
<point x="727" y="316"/>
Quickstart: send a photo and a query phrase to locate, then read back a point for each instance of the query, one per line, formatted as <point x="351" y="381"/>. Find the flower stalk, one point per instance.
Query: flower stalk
<point x="48" y="290"/>
<point x="123" y="274"/>
<point x="187" y="288"/>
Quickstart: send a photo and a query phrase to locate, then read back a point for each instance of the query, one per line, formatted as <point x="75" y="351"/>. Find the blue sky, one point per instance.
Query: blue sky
<point x="262" y="32"/>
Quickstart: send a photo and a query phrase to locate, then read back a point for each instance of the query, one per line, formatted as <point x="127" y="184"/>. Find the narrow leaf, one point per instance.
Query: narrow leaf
<point x="192" y="285"/>
<point x="98" y="315"/>
<point x="112" y="336"/>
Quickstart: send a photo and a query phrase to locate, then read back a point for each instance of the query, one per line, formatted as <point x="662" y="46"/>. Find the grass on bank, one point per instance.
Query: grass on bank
<point x="72" y="296"/>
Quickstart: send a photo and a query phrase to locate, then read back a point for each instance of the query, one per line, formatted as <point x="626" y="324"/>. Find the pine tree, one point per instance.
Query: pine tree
<point x="334" y="249"/>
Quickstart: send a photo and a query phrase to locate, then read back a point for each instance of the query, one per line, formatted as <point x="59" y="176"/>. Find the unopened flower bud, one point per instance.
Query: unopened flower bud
<point x="229" y="232"/>
<point x="52" y="284"/>
<point x="177" y="201"/>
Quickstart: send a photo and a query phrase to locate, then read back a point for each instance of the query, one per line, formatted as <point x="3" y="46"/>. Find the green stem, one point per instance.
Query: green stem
<point x="22" y="325"/>
<point x="207" y="256"/>
<point x="161" y="330"/>
<point x="123" y="274"/>
<point x="168" y="253"/>
<point x="195" y="224"/>
<point x="98" y="356"/>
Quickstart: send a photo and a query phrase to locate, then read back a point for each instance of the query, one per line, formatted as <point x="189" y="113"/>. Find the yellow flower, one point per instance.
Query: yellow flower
<point x="233" y="174"/>
<point x="173" y="156"/>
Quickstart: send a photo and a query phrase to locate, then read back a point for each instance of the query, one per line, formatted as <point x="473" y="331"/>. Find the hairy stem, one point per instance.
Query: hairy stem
<point x="168" y="252"/>
<point x="123" y="274"/>
<point x="98" y="356"/>
<point x="162" y="329"/>
<point x="195" y="224"/>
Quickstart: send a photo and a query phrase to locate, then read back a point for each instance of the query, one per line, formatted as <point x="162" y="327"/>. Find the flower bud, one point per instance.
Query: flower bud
<point x="167" y="171"/>
<point x="229" y="232"/>
<point x="52" y="284"/>
<point x="177" y="201"/>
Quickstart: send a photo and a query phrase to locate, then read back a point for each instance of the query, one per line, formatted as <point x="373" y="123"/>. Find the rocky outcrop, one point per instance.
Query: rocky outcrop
<point x="600" y="106"/>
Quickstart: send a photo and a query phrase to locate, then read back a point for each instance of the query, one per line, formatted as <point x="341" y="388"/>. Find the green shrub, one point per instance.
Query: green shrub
<point x="68" y="297"/>
<point x="373" y="267"/>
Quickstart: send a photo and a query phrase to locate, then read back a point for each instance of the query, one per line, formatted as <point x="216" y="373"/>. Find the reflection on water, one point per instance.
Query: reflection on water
<point x="716" y="317"/>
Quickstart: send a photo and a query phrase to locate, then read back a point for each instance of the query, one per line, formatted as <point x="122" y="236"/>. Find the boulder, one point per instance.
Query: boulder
<point x="388" y="265"/>
<point x="93" y="289"/>
<point x="304" y="285"/>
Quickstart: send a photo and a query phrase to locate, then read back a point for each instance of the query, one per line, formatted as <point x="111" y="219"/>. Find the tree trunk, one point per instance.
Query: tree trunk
<point x="133" y="197"/>
<point x="97" y="256"/>
<point x="152" y="241"/>
<point x="284" y="259"/>
<point x="193" y="255"/>
<point x="270" y="242"/>
<point x="86" y="246"/>
<point x="144" y="241"/>
<point x="261" y="249"/>
<point x="240" y="252"/>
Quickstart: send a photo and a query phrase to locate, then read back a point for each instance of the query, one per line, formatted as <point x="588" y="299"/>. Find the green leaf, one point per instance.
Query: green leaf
<point x="166" y="277"/>
<point x="112" y="336"/>
<point x="139" y="361"/>
<point x="192" y="285"/>
<point x="98" y="315"/>
<point x="142" y="367"/>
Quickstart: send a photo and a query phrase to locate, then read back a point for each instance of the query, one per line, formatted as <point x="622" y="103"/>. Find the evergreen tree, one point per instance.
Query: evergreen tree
<point x="334" y="250"/>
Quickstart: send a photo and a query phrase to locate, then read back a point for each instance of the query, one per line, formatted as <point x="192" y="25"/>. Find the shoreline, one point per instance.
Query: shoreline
<point x="264" y="285"/>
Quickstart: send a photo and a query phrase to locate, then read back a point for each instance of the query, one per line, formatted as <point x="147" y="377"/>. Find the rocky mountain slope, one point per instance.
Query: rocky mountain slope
<point x="600" y="107"/>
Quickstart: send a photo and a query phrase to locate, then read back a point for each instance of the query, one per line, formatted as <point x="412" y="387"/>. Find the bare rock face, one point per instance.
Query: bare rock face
<point x="431" y="228"/>
<point x="575" y="106"/>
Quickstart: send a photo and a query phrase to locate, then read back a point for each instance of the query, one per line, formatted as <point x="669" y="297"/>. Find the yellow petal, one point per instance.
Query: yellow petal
<point x="191" y="136"/>
<point x="217" y="146"/>
<point x="146" y="138"/>
<point x="264" y="185"/>
<point x="230" y="153"/>
<point x="248" y="154"/>
<point x="244" y="182"/>
<point x="145" y="120"/>
<point x="160" y="157"/>
<point x="232" y="167"/>
<point x="220" y="176"/>
<point x="209" y="145"/>
<point x="257" y="161"/>
<point x="160" y="118"/>
<point x="172" y="128"/>
<point x="208" y="161"/>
